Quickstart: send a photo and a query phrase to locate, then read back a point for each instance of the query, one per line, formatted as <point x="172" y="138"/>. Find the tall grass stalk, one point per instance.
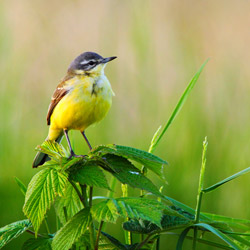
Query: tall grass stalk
<point x="200" y="191"/>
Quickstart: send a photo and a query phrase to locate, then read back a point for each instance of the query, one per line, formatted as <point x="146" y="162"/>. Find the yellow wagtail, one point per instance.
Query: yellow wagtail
<point x="82" y="98"/>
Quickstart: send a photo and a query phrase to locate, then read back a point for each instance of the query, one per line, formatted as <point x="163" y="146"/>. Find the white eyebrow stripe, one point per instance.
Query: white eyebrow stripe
<point x="84" y="62"/>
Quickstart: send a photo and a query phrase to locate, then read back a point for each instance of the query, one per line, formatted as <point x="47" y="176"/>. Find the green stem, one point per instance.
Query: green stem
<point x="33" y="233"/>
<point x="110" y="194"/>
<point x="92" y="226"/>
<point x="65" y="213"/>
<point x="158" y="243"/>
<point x="200" y="191"/>
<point x="143" y="242"/>
<point x="128" y="235"/>
<point x="57" y="223"/>
<point x="81" y="196"/>
<point x="90" y="196"/>
<point x="46" y="225"/>
<point x="98" y="235"/>
<point x="84" y="195"/>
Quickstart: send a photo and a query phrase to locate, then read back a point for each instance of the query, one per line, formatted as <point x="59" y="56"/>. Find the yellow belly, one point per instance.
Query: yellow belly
<point x="80" y="108"/>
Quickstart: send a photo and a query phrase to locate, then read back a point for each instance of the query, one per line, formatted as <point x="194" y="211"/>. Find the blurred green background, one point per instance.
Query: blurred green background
<point x="160" y="45"/>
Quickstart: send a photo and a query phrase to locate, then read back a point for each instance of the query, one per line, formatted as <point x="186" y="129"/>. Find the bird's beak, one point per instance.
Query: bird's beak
<point x="108" y="59"/>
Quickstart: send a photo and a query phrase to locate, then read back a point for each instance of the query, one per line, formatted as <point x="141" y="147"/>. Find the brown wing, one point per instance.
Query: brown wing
<point x="58" y="94"/>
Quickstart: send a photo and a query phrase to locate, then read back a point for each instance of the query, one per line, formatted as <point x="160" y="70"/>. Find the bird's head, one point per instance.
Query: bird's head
<point x="89" y="63"/>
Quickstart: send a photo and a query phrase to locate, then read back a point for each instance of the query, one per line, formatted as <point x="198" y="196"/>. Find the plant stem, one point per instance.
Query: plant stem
<point x="65" y="213"/>
<point x="46" y="225"/>
<point x="90" y="196"/>
<point x="82" y="199"/>
<point x="98" y="235"/>
<point x="200" y="191"/>
<point x="128" y="235"/>
<point x="33" y="233"/>
<point x="158" y="243"/>
<point x="110" y="194"/>
<point x="92" y="226"/>
<point x="143" y="242"/>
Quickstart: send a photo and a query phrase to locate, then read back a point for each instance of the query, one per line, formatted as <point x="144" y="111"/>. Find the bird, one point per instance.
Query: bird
<point x="82" y="98"/>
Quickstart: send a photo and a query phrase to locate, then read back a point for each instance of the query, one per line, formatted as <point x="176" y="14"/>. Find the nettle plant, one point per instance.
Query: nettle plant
<point x="67" y="185"/>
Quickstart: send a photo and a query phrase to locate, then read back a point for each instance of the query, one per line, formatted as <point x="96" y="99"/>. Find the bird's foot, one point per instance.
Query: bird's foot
<point x="77" y="156"/>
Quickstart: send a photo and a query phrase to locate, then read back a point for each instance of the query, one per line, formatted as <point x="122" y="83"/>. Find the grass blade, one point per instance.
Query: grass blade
<point x="179" y="105"/>
<point x="206" y="242"/>
<point x="182" y="238"/>
<point x="220" y="235"/>
<point x="232" y="222"/>
<point x="230" y="178"/>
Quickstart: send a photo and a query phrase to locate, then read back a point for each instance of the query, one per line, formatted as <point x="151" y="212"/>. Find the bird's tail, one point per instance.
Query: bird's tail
<point x="41" y="158"/>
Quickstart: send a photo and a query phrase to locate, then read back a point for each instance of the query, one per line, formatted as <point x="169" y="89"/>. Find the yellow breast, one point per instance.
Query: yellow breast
<point x="87" y="102"/>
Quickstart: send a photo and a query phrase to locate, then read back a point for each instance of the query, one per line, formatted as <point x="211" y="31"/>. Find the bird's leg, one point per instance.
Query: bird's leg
<point x="86" y="139"/>
<point x="68" y="141"/>
<point x="72" y="153"/>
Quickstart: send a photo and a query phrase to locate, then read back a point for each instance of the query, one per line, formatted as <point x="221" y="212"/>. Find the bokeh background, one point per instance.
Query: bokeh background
<point x="160" y="45"/>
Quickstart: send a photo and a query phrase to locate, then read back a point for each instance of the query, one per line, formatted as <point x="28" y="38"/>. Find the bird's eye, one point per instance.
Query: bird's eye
<point x="91" y="63"/>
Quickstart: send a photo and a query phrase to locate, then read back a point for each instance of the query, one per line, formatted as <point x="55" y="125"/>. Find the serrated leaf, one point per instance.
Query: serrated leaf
<point x="89" y="174"/>
<point x="127" y="173"/>
<point x="115" y="244"/>
<point x="55" y="150"/>
<point x="41" y="193"/>
<point x="12" y="231"/>
<point x="152" y="162"/>
<point x="106" y="211"/>
<point x="69" y="201"/>
<point x="134" y="208"/>
<point x="140" y="226"/>
<point x="147" y="227"/>
<point x="22" y="187"/>
<point x="186" y="210"/>
<point x="37" y="244"/>
<point x="72" y="230"/>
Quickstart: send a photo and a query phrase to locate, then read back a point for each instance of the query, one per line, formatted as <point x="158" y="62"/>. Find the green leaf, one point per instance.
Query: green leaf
<point x="72" y="230"/>
<point x="230" y="178"/>
<point x="140" y="226"/>
<point x="37" y="244"/>
<point x="146" y="227"/>
<point x="154" y="138"/>
<point x="89" y="174"/>
<point x="152" y="162"/>
<point x="55" y="150"/>
<point x="182" y="238"/>
<point x="12" y="231"/>
<point x="21" y="186"/>
<point x="232" y="222"/>
<point x="206" y="242"/>
<point x="69" y="201"/>
<point x="110" y="243"/>
<point x="115" y="244"/>
<point x="134" y="208"/>
<point x="219" y="234"/>
<point x="127" y="173"/>
<point x="242" y="240"/>
<point x="185" y="208"/>
<point x="179" y="105"/>
<point x="105" y="211"/>
<point x="41" y="193"/>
